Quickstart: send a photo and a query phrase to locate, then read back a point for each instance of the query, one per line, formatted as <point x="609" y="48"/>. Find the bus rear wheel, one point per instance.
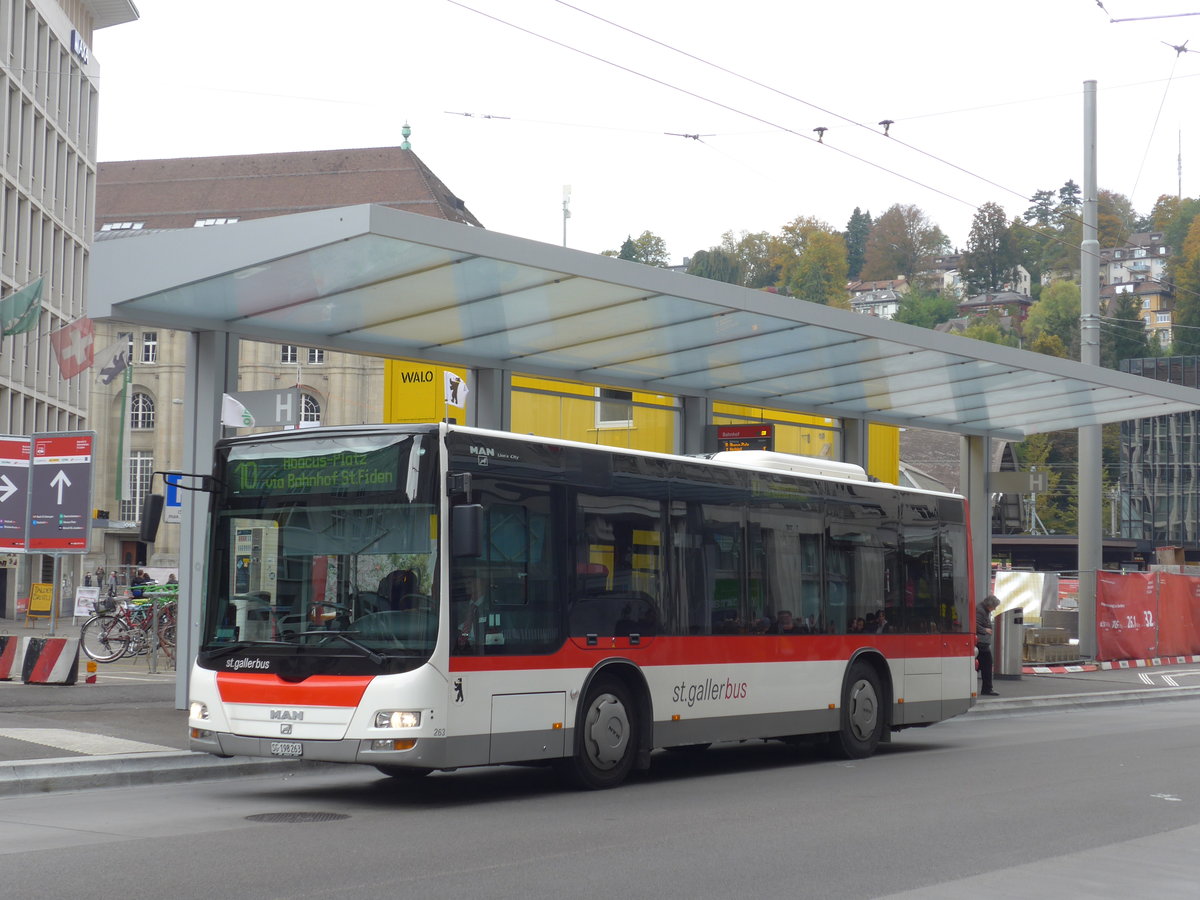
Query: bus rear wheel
<point x="606" y="737"/>
<point x="862" y="714"/>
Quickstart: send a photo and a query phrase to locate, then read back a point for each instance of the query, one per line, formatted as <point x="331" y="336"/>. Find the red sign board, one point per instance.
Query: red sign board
<point x="14" y="491"/>
<point x="745" y="437"/>
<point x="60" y="492"/>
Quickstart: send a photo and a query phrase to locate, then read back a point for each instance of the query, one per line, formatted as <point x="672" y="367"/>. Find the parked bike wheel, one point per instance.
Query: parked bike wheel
<point x="105" y="638"/>
<point x="166" y="639"/>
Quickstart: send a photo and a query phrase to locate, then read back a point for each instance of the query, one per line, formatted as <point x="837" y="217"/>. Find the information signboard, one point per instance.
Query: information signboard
<point x="60" y="492"/>
<point x="14" y="491"/>
<point x="745" y="437"/>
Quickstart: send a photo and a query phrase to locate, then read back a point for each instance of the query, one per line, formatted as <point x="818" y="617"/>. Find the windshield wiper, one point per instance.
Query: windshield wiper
<point x="344" y="636"/>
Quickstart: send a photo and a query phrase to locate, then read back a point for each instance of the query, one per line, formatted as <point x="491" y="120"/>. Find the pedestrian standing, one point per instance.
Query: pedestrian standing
<point x="983" y="642"/>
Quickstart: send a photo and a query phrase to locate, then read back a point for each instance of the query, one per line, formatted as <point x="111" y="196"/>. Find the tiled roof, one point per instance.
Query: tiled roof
<point x="175" y="193"/>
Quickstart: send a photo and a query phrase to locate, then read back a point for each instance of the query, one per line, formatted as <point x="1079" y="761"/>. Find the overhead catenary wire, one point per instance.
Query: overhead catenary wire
<point x="820" y="130"/>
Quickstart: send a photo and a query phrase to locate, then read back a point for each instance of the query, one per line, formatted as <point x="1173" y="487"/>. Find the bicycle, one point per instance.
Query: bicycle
<point x="121" y="629"/>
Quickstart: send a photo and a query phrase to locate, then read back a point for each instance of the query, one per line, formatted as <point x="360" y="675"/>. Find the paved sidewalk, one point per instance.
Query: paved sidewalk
<point x="125" y="729"/>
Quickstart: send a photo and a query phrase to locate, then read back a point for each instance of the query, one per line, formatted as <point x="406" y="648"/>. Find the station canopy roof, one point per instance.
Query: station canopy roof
<point x="377" y="281"/>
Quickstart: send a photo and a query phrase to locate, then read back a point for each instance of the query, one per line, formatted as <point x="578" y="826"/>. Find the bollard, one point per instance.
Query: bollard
<point x="90" y="678"/>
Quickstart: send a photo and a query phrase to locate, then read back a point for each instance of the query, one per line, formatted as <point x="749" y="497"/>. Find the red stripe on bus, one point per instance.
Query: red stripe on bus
<point x="700" y="651"/>
<point x="316" y="690"/>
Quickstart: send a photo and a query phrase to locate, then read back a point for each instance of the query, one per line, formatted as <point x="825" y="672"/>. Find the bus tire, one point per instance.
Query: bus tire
<point x="862" y="714"/>
<point x="403" y="771"/>
<point x="606" y="737"/>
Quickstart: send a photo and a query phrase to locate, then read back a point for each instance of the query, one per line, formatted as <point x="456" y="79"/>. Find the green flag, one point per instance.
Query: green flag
<point x="20" y="311"/>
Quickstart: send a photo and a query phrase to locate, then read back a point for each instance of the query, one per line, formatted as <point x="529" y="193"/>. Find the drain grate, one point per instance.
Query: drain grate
<point x="297" y="817"/>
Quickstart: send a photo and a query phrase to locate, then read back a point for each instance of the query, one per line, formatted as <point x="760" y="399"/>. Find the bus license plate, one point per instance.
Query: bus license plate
<point x="287" y="748"/>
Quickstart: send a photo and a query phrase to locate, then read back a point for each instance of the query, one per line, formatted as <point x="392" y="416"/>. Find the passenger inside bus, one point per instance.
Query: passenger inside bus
<point x="398" y="590"/>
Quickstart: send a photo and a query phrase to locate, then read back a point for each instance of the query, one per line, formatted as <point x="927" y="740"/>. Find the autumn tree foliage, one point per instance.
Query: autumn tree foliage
<point x="903" y="242"/>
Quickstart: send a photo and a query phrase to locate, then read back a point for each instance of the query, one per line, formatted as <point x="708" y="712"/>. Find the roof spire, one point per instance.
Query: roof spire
<point x="406" y="131"/>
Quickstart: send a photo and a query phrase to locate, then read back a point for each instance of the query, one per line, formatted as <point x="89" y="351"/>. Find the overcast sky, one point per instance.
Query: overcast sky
<point x="986" y="100"/>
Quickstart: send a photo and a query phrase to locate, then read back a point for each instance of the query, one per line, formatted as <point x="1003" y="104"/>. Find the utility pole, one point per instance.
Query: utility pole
<point x="1089" y="531"/>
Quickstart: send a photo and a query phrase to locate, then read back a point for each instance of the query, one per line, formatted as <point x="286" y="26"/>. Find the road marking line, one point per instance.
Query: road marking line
<point x="80" y="741"/>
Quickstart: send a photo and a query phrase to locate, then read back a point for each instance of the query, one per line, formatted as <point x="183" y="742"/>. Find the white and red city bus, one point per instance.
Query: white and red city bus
<point x="428" y="597"/>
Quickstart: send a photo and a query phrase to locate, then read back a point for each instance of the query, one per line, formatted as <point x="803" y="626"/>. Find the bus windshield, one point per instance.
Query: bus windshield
<point x="323" y="555"/>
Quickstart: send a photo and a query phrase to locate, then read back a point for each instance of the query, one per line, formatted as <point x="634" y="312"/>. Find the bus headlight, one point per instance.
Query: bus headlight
<point x="398" y="718"/>
<point x="197" y="710"/>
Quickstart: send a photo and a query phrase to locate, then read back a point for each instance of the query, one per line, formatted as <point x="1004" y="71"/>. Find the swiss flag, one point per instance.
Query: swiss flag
<point x="73" y="346"/>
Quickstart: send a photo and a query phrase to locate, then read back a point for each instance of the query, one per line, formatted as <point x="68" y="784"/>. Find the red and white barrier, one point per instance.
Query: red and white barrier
<point x="12" y="652"/>
<point x="50" y="660"/>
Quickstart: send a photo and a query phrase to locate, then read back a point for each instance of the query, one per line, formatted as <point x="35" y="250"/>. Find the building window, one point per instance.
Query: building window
<point x="141" y="412"/>
<point x="287" y="353"/>
<point x="615" y="409"/>
<point x="1162" y="318"/>
<point x="141" y="466"/>
<point x="222" y="220"/>
<point x="122" y="226"/>
<point x="1146" y="303"/>
<point x="310" y="412"/>
<point x="316" y="356"/>
<point x="149" y="346"/>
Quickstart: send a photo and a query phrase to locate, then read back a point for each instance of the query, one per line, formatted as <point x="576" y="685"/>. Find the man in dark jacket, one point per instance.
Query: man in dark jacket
<point x="983" y="641"/>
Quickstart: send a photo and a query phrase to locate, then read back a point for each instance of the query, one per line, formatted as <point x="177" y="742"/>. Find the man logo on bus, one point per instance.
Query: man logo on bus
<point x="458" y="694"/>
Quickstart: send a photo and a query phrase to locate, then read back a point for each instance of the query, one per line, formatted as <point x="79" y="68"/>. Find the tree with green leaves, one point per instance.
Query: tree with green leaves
<point x="1056" y="314"/>
<point x="647" y="248"/>
<point x="1050" y="345"/>
<point x="1123" y="334"/>
<point x="858" y="229"/>
<point x="1052" y="453"/>
<point x="715" y="264"/>
<point x="990" y="329"/>
<point x="1041" y="211"/>
<point x="819" y="275"/>
<point x="902" y="242"/>
<point x="756" y="254"/>
<point x="1070" y="200"/>
<point x="990" y="263"/>
<point x="925" y="309"/>
<point x="628" y="250"/>
<point x="1185" y="274"/>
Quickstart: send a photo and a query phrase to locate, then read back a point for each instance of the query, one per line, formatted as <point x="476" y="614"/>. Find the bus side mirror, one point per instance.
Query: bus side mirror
<point x="466" y="530"/>
<point x="152" y="509"/>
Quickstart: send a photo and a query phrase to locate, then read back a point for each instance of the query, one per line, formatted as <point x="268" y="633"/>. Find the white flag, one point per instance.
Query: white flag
<point x="456" y="389"/>
<point x="234" y="414"/>
<point x="113" y="359"/>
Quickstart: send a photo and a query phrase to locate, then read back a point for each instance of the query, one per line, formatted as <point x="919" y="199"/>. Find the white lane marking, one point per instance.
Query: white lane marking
<point x="81" y="741"/>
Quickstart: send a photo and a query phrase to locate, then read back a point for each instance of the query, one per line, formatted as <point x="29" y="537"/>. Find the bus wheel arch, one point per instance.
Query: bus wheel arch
<point x="865" y="709"/>
<point x="612" y="733"/>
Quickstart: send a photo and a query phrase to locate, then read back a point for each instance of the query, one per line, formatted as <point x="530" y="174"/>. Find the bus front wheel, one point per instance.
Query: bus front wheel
<point x="606" y="738"/>
<point x="862" y="714"/>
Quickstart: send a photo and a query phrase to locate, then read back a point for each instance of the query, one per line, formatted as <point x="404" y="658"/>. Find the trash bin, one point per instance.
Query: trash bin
<point x="1008" y="628"/>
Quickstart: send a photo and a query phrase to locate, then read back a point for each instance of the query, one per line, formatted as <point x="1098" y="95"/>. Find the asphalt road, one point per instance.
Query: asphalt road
<point x="1101" y="801"/>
